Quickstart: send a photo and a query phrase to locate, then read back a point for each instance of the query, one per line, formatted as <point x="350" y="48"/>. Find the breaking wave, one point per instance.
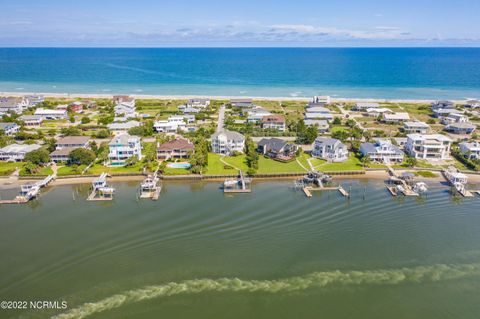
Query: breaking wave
<point x="433" y="273"/>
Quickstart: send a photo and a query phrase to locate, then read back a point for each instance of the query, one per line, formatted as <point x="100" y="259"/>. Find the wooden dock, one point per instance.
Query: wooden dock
<point x="29" y="191"/>
<point x="309" y="189"/>
<point x="241" y="185"/>
<point x="392" y="190"/>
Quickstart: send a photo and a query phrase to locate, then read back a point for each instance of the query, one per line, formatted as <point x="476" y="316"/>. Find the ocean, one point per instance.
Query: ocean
<point x="273" y="253"/>
<point x="391" y="73"/>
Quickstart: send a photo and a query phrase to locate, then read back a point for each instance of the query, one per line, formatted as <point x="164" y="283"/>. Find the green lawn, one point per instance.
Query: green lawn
<point x="352" y="164"/>
<point x="98" y="169"/>
<point x="216" y="167"/>
<point x="269" y="166"/>
<point x="69" y="170"/>
<point x="176" y="171"/>
<point x="7" y="168"/>
<point x="43" y="171"/>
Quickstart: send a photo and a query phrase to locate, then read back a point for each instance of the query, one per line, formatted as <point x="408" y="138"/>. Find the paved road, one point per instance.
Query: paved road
<point x="221" y="118"/>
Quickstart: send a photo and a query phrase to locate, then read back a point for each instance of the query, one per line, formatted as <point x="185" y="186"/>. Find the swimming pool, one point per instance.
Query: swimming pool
<point x="179" y="165"/>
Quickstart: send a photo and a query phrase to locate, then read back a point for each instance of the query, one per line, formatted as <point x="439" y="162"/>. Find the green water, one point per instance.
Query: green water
<point x="196" y="253"/>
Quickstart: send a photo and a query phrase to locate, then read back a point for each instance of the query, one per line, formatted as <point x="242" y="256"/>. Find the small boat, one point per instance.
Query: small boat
<point x="400" y="188"/>
<point x="230" y="183"/>
<point x="420" y="188"/>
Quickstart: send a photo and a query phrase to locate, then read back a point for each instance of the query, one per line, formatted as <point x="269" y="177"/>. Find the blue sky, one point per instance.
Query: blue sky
<point x="212" y="23"/>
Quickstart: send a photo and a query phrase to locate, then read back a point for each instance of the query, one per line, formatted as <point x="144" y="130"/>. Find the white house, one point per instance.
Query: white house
<point x="226" y="142"/>
<point x="276" y="122"/>
<point x="330" y="149"/>
<point x="382" y="151"/>
<point x="31" y="120"/>
<point x="454" y="118"/>
<point x="317" y="113"/>
<point x="34" y="100"/>
<point x="72" y="142"/>
<point x="472" y="104"/>
<point x="16" y="152"/>
<point x="396" y="117"/>
<point x="376" y="112"/>
<point x="464" y="128"/>
<point x="122" y="147"/>
<point x="325" y="99"/>
<point x="256" y="114"/>
<point x="51" y="114"/>
<point x="13" y="104"/>
<point x="445" y="112"/>
<point x="361" y="106"/>
<point x="122" y="127"/>
<point x="198" y="103"/>
<point x="416" y="127"/>
<point x="240" y="102"/>
<point x="9" y="128"/>
<point x="442" y="105"/>
<point x="322" y="125"/>
<point x="433" y="146"/>
<point x="172" y="125"/>
<point x="470" y="150"/>
<point x="126" y="109"/>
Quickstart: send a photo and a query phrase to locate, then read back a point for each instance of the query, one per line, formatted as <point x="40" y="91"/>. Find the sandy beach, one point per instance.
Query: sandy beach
<point x="219" y="97"/>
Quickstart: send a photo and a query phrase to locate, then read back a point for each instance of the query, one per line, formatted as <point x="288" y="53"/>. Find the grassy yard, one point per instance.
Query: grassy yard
<point x="7" y="168"/>
<point x="43" y="171"/>
<point x="269" y="166"/>
<point x="176" y="171"/>
<point x="97" y="169"/>
<point x="216" y="167"/>
<point x="352" y="164"/>
<point x="70" y="170"/>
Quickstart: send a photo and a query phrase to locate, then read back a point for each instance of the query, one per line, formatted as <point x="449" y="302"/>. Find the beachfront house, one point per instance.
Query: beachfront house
<point x="362" y="106"/>
<point x="462" y="128"/>
<point x="76" y="107"/>
<point x="439" y="113"/>
<point x="13" y="104"/>
<point x="433" y="146"/>
<point x="317" y="113"/>
<point x="256" y="114"/>
<point x="227" y="142"/>
<point x="274" y="122"/>
<point x="177" y="148"/>
<point x="172" y="125"/>
<point x="122" y="147"/>
<point x="382" y="151"/>
<point x="242" y="103"/>
<point x="330" y="149"/>
<point x="198" y="103"/>
<point x="395" y="118"/>
<point x="416" y="127"/>
<point x="122" y="127"/>
<point x="277" y="149"/>
<point x="322" y="125"/>
<point x="376" y="112"/>
<point x="125" y="109"/>
<point x="31" y="120"/>
<point x="62" y="154"/>
<point x="16" y="152"/>
<point x="472" y="104"/>
<point x="9" y="128"/>
<point x="454" y="118"/>
<point x="442" y="105"/>
<point x="470" y="150"/>
<point x="324" y="99"/>
<point x="34" y="100"/>
<point x="50" y="114"/>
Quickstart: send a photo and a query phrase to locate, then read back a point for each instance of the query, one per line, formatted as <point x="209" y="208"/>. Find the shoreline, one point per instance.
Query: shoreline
<point x="6" y="183"/>
<point x="214" y="97"/>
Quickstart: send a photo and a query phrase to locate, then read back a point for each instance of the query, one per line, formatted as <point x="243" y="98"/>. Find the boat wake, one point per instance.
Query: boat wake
<point x="433" y="273"/>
